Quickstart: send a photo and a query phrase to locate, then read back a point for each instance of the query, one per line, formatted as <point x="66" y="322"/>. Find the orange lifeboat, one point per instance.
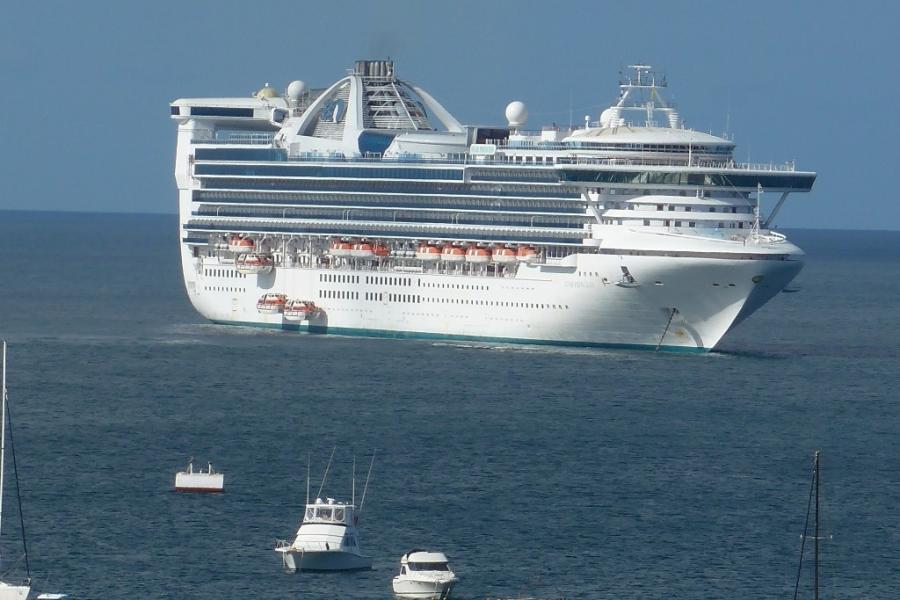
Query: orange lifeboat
<point x="503" y="255"/>
<point x="381" y="250"/>
<point x="340" y="248"/>
<point x="241" y="245"/>
<point x="478" y="255"/>
<point x="300" y="310"/>
<point x="428" y="252"/>
<point x="362" y="250"/>
<point x="527" y="254"/>
<point x="252" y="263"/>
<point x="271" y="303"/>
<point x="453" y="254"/>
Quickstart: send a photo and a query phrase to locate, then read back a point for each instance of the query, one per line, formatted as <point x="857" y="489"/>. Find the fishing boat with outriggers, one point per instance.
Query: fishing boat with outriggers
<point x="328" y="539"/>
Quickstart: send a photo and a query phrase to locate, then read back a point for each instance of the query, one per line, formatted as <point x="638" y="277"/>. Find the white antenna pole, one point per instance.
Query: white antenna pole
<point x="307" y="478"/>
<point x="325" y="476"/>
<point x="366" y="488"/>
<point x="3" y="430"/>
<point x="353" y="493"/>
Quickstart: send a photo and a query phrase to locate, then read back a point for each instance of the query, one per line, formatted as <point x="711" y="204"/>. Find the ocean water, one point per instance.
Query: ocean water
<point x="543" y="473"/>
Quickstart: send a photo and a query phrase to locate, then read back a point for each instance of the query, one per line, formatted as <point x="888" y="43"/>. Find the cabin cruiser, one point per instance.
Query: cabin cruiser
<point x="424" y="575"/>
<point x="327" y="540"/>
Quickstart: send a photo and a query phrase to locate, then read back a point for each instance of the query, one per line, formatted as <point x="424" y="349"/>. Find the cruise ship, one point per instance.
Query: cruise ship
<point x="367" y="208"/>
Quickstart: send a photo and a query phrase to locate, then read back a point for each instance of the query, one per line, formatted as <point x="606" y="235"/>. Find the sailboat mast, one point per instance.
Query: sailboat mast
<point x="2" y="433"/>
<point x="817" y="530"/>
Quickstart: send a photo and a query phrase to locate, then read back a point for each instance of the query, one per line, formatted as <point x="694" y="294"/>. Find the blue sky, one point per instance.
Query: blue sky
<point x="86" y="85"/>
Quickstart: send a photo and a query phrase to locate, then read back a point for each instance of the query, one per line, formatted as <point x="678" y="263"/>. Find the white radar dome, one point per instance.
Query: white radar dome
<point x="267" y="92"/>
<point x="295" y="90"/>
<point x="516" y="113"/>
<point x="606" y="117"/>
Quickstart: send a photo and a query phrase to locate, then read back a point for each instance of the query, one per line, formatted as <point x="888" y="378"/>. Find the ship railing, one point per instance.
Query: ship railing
<point x="789" y="166"/>
<point x="227" y="136"/>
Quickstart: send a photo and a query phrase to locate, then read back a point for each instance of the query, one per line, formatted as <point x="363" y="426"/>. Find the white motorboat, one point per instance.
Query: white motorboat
<point x="424" y="575"/>
<point x="207" y="481"/>
<point x="327" y="539"/>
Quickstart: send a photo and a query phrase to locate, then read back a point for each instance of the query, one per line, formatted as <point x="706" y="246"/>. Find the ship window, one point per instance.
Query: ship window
<point x="691" y="224"/>
<point x="646" y="222"/>
<point x="677" y="223"/>
<point x="339" y="514"/>
<point x="309" y="513"/>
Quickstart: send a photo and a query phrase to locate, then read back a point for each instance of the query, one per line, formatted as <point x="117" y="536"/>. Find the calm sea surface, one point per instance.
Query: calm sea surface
<point x="543" y="473"/>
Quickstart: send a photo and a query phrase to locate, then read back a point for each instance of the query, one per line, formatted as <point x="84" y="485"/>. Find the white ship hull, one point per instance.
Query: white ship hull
<point x="576" y="303"/>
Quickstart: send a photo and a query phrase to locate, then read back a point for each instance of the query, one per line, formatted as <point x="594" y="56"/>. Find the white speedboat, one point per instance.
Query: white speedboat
<point x="190" y="480"/>
<point x="424" y="575"/>
<point x="327" y="539"/>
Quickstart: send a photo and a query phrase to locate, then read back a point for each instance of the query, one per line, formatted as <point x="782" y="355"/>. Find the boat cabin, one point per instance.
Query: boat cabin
<point x="419" y="560"/>
<point x="329" y="512"/>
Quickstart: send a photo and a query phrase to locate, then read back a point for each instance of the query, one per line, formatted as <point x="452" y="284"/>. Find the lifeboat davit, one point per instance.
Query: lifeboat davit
<point x="271" y="303"/>
<point x="527" y="254"/>
<point x="428" y="252"/>
<point x="503" y="255"/>
<point x="340" y="248"/>
<point x="362" y="250"/>
<point x="241" y="245"/>
<point x="453" y="254"/>
<point x="253" y="263"/>
<point x="478" y="255"/>
<point x="300" y="310"/>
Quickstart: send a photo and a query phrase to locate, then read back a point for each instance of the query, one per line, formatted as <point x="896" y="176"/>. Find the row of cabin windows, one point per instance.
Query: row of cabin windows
<point x="339" y="278"/>
<point x="219" y="288"/>
<point x="677" y="223"/>
<point x="674" y="207"/>
<point x="454" y="286"/>
<point x="223" y="273"/>
<point x="417" y="299"/>
<point x="339" y="294"/>
<point x="548" y="160"/>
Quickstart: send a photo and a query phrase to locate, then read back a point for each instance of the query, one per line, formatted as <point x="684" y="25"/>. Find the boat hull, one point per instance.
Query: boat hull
<point x="577" y="304"/>
<point x="423" y="589"/>
<point x="325" y="560"/>
<point x="14" y="592"/>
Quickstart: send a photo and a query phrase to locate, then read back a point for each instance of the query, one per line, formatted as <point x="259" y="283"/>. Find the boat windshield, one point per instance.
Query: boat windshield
<point x="428" y="566"/>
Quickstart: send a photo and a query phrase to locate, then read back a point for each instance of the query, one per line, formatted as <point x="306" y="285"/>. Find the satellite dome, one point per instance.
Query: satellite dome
<point x="516" y="113"/>
<point x="267" y="92"/>
<point x="295" y="90"/>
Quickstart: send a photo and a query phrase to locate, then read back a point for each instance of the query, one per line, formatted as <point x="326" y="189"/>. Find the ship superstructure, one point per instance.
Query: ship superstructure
<point x="367" y="208"/>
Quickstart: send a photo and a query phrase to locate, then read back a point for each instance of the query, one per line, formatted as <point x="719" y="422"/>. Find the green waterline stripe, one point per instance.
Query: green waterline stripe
<point x="421" y="335"/>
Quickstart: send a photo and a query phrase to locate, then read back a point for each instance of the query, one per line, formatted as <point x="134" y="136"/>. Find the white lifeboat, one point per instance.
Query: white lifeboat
<point x="340" y="248"/>
<point x="478" y="255"/>
<point x="207" y="481"/>
<point x="503" y="255"/>
<point x="271" y="303"/>
<point x="526" y="254"/>
<point x="253" y="263"/>
<point x="300" y="310"/>
<point x="453" y="254"/>
<point x="428" y="252"/>
<point x="362" y="250"/>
